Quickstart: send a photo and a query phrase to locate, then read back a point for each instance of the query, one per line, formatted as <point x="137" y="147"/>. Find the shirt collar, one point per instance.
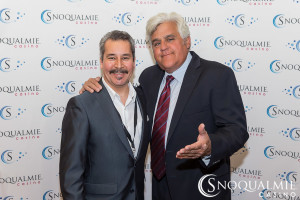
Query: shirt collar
<point x="179" y="73"/>
<point x="115" y="96"/>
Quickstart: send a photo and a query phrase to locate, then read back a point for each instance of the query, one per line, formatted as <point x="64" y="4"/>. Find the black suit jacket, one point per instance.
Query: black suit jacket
<point x="96" y="160"/>
<point x="209" y="95"/>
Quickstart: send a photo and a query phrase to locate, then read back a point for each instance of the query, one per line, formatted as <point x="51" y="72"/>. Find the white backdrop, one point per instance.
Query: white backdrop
<point x="48" y="48"/>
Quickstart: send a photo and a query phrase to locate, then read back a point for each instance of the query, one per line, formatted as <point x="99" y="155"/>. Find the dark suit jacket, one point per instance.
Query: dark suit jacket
<point x="209" y="95"/>
<point x="96" y="160"/>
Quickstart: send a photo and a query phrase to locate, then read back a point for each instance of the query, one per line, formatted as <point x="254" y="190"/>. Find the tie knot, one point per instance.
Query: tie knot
<point x="169" y="78"/>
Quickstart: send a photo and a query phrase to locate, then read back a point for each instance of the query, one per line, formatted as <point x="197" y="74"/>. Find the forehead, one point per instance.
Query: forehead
<point x="117" y="47"/>
<point x="164" y="29"/>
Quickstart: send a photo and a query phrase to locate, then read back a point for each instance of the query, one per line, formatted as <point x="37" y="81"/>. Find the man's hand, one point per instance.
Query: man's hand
<point x="91" y="85"/>
<point x="198" y="149"/>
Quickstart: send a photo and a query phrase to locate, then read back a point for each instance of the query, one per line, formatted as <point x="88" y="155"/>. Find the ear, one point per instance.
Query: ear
<point x="187" y="42"/>
<point x="101" y="63"/>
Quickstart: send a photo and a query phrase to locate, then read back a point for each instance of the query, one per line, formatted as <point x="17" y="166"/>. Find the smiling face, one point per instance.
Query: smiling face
<point x="117" y="63"/>
<point x="169" y="48"/>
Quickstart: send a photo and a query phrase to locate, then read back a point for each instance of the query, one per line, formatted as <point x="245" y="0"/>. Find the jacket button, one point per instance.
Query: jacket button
<point x="131" y="190"/>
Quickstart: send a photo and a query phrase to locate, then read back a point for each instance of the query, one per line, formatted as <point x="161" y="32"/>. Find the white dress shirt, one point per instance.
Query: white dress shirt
<point x="175" y="86"/>
<point x="127" y="112"/>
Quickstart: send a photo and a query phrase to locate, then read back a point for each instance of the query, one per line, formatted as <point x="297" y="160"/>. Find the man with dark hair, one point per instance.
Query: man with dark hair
<point x="104" y="141"/>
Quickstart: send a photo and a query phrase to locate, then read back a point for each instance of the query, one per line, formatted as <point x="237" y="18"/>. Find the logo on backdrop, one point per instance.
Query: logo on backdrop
<point x="23" y="90"/>
<point x="253" y="90"/>
<point x="294" y="45"/>
<point x="49" y="110"/>
<point x="139" y="62"/>
<point x="296" y="1"/>
<point x="72" y="41"/>
<point x="193" y="21"/>
<point x="50" y="152"/>
<point x="8" y="64"/>
<point x="71" y="87"/>
<point x="11" y="112"/>
<point x="20" y="42"/>
<point x="195" y="43"/>
<point x="240" y="65"/>
<point x="247" y="173"/>
<point x="187" y="2"/>
<point x="271" y="194"/>
<point x="273" y="111"/>
<point x="291" y="177"/>
<point x="141" y="43"/>
<point x="292" y="133"/>
<point x="277" y="66"/>
<point x="256" y="131"/>
<point x="10" y="16"/>
<point x="220" y="43"/>
<point x="280" y="21"/>
<point x="11" y="156"/>
<point x="50" y="194"/>
<point x="48" y="17"/>
<point x="248" y="108"/>
<point x="249" y="2"/>
<point x="128" y="18"/>
<point x="22" y="180"/>
<point x="49" y="63"/>
<point x="23" y="134"/>
<point x="241" y="20"/>
<point x="13" y="198"/>
<point x="293" y="91"/>
<point x="272" y="152"/>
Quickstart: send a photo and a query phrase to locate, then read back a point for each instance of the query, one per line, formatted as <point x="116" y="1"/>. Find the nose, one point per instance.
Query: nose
<point x="118" y="63"/>
<point x="163" y="45"/>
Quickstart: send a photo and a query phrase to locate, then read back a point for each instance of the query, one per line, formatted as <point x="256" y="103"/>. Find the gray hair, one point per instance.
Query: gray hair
<point x="160" y="18"/>
<point x="116" y="35"/>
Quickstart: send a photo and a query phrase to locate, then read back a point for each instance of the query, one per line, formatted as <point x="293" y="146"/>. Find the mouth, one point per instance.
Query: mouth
<point x="119" y="73"/>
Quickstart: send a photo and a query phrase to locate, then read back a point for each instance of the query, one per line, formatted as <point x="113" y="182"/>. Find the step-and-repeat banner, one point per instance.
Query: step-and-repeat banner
<point x="49" y="48"/>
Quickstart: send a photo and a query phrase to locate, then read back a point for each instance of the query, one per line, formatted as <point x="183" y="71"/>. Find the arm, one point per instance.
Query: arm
<point x="91" y="85"/>
<point x="229" y="115"/>
<point x="73" y="151"/>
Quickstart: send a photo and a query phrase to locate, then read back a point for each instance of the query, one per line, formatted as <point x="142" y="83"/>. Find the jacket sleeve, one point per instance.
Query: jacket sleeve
<point x="229" y="115"/>
<point x="73" y="153"/>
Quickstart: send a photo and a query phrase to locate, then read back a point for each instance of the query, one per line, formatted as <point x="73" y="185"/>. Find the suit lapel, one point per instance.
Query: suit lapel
<point x="143" y="113"/>
<point x="108" y="107"/>
<point x="189" y="81"/>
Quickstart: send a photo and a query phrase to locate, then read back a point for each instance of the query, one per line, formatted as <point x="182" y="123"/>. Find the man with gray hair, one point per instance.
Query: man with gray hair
<point x="189" y="161"/>
<point x="104" y="135"/>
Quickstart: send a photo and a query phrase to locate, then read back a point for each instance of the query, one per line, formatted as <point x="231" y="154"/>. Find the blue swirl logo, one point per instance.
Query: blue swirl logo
<point x="46" y="110"/>
<point x="6" y="113"/>
<point x="218" y="43"/>
<point x="295" y="134"/>
<point x="7" y="157"/>
<point x="5" y="15"/>
<point x="44" y="62"/>
<point x="269" y="109"/>
<point x="277" y="21"/>
<point x="5" y="65"/>
<point x="49" y="152"/>
<point x="273" y="64"/>
<point x="45" y="13"/>
<point x="222" y="2"/>
<point x="268" y="151"/>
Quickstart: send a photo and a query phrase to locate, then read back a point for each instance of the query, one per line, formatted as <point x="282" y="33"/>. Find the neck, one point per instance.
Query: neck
<point x="122" y="91"/>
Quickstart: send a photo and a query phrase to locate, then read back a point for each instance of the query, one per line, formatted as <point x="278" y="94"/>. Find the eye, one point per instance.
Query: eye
<point x="156" y="44"/>
<point x="111" y="58"/>
<point x="125" y="58"/>
<point x="170" y="39"/>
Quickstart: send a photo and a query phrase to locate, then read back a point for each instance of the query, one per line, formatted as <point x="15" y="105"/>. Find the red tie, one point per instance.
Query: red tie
<point x="159" y="131"/>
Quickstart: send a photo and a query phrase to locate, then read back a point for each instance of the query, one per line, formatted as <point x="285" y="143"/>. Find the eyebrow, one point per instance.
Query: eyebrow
<point x="167" y="36"/>
<point x="112" y="54"/>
